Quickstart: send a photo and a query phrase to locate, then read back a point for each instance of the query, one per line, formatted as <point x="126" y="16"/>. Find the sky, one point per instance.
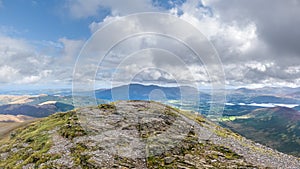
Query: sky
<point x="40" y="42"/>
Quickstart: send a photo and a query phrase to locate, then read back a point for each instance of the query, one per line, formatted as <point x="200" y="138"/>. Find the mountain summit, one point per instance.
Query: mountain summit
<point x="134" y="134"/>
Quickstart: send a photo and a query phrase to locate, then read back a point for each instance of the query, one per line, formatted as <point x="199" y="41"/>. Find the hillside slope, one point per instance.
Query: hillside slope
<point x="277" y="127"/>
<point x="134" y="134"/>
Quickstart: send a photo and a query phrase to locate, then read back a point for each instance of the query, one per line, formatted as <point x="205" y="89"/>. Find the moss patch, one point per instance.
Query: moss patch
<point x="110" y="106"/>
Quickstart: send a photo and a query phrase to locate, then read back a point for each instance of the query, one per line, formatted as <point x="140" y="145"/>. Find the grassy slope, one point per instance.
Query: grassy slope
<point x="270" y="128"/>
<point x="32" y="142"/>
<point x="7" y="127"/>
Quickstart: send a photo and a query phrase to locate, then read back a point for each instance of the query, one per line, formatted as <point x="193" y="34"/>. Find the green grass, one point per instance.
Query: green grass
<point x="32" y="142"/>
<point x="79" y="158"/>
<point x="72" y="128"/>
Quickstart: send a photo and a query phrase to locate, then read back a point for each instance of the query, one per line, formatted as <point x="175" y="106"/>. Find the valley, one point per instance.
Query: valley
<point x="269" y="122"/>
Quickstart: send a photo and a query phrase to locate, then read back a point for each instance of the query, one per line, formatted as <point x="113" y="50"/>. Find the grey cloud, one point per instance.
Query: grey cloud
<point x="276" y="27"/>
<point x="258" y="42"/>
<point x="277" y="22"/>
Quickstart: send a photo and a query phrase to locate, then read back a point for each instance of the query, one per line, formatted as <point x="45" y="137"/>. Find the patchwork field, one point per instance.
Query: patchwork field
<point x="11" y="99"/>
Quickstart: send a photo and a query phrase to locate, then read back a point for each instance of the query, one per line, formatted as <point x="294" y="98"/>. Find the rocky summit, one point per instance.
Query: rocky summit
<point x="134" y="134"/>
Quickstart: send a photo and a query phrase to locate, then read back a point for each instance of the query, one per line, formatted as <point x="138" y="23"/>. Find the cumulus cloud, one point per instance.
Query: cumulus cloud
<point x="19" y="62"/>
<point x="278" y="30"/>
<point x="71" y="49"/>
<point x="276" y="21"/>
<point x="139" y="59"/>
<point x="24" y="62"/>
<point x="257" y="41"/>
<point x="7" y="70"/>
<point x="242" y="37"/>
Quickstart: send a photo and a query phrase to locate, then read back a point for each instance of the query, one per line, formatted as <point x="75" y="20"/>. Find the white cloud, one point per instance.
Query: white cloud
<point x="7" y="74"/>
<point x="230" y="39"/>
<point x="19" y="61"/>
<point x="247" y="57"/>
<point x="34" y="78"/>
<point x="231" y="36"/>
<point x="249" y="37"/>
<point x="255" y="48"/>
<point x="259" y="66"/>
<point x="71" y="49"/>
<point x="94" y="26"/>
<point x="293" y="70"/>
<point x="22" y="62"/>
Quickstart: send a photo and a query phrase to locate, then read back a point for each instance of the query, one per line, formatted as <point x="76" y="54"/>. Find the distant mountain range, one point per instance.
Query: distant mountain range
<point x="241" y="95"/>
<point x="147" y="92"/>
<point x="294" y="95"/>
<point x="267" y="90"/>
<point x="34" y="110"/>
<point x="264" y="95"/>
<point x="277" y="127"/>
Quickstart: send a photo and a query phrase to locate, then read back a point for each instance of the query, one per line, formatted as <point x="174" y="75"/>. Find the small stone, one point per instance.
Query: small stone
<point x="188" y="156"/>
<point x="169" y="160"/>
<point x="182" y="167"/>
<point x="189" y="162"/>
<point x="213" y="161"/>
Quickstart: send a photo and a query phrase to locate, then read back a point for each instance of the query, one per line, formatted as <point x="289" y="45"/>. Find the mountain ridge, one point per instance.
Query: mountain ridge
<point x="137" y="91"/>
<point x="61" y="141"/>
